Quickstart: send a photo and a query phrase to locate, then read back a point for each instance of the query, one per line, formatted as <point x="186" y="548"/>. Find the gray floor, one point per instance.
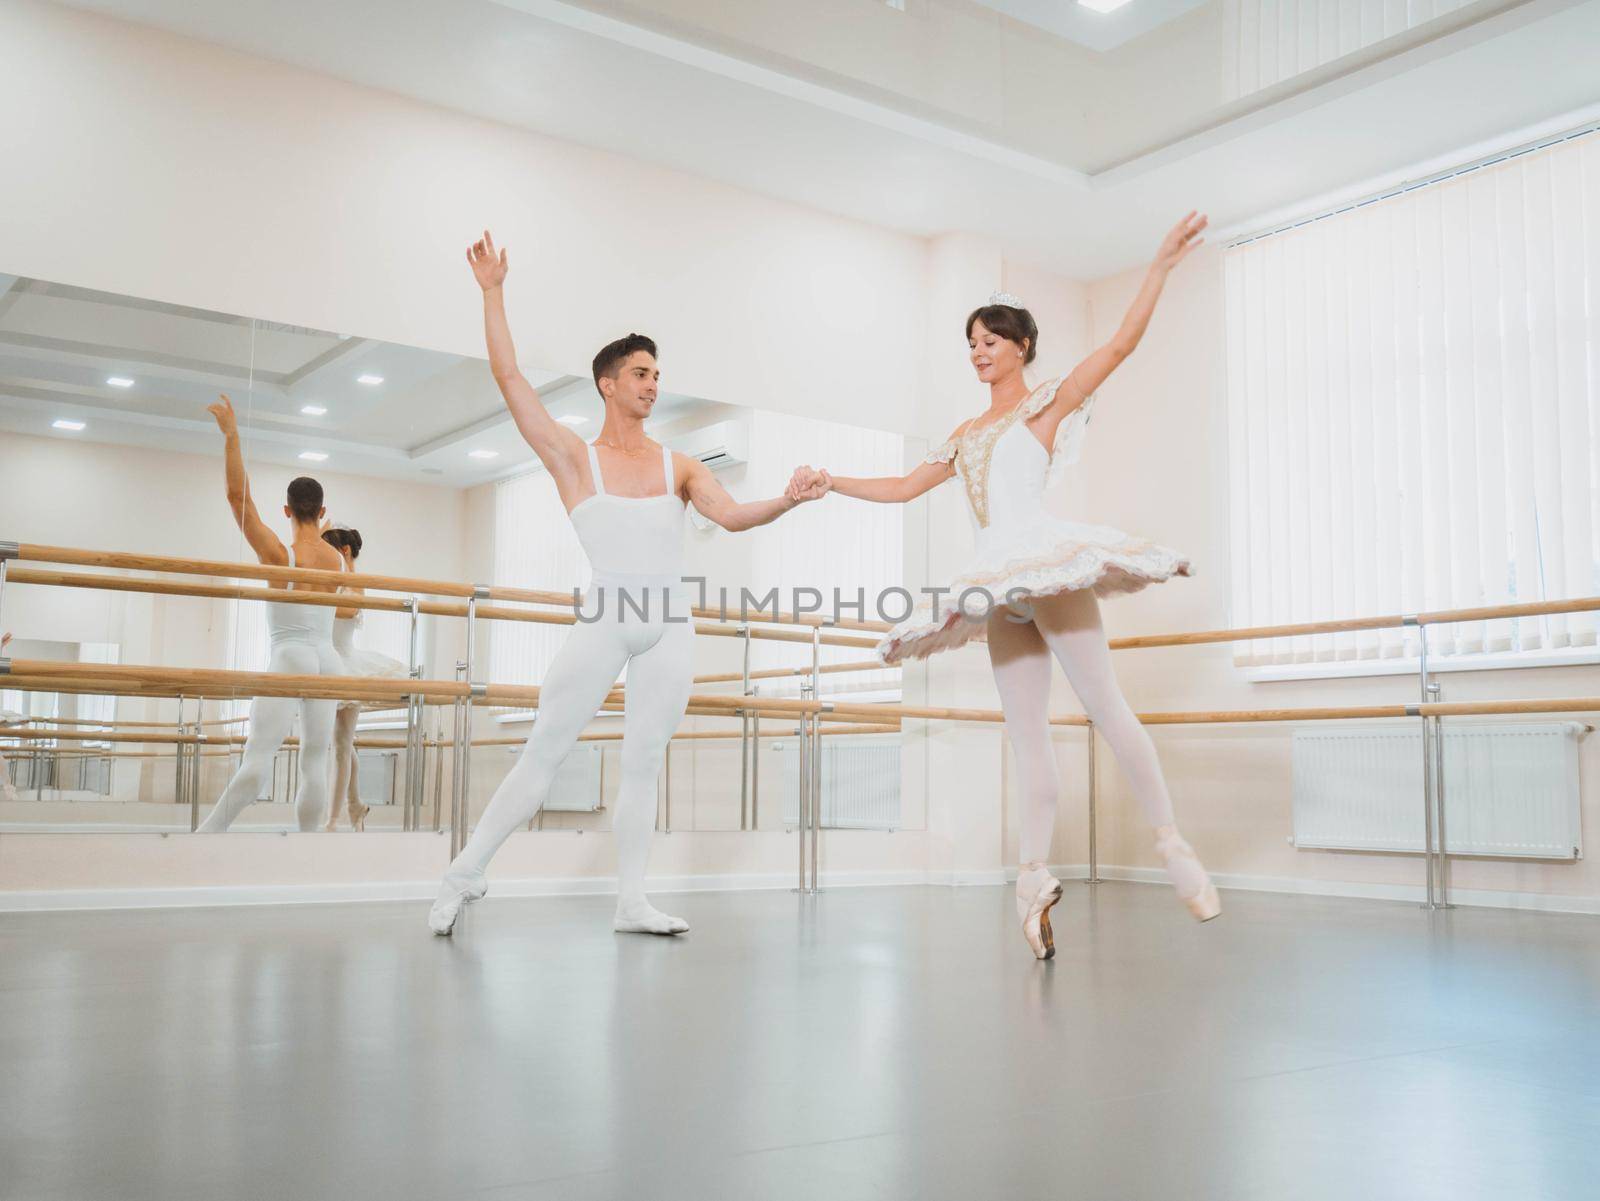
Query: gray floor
<point x="868" y="1043"/>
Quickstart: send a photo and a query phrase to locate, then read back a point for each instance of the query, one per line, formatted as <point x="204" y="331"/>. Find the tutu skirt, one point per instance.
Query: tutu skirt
<point x="359" y="662"/>
<point x="1041" y="557"/>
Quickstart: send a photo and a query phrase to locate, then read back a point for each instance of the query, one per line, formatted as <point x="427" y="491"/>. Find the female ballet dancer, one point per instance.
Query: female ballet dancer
<point x="302" y="644"/>
<point x="1034" y="583"/>
<point x="357" y="662"/>
<point x="627" y="507"/>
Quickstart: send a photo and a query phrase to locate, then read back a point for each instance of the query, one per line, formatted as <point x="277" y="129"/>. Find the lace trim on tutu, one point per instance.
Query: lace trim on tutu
<point x="1106" y="570"/>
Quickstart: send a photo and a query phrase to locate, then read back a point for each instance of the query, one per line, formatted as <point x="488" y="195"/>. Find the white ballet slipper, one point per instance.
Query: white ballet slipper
<point x="639" y="916"/>
<point x="1188" y="876"/>
<point x="454" y="893"/>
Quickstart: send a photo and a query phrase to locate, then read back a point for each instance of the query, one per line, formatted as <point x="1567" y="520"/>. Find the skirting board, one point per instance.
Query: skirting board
<point x="423" y="890"/>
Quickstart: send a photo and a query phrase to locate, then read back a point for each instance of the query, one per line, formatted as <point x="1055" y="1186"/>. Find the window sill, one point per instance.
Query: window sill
<point x="1569" y="656"/>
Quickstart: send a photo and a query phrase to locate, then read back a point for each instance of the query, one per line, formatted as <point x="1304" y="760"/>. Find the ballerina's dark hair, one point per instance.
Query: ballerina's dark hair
<point x="344" y="539"/>
<point x="1012" y="324"/>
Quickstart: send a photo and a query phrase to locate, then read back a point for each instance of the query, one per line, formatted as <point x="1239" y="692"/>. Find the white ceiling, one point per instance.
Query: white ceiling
<point x="1131" y="156"/>
<point x="1096" y="30"/>
<point x="59" y="345"/>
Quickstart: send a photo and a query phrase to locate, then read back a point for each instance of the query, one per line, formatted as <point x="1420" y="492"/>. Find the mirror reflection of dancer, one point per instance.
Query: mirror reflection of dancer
<point x="627" y="506"/>
<point x="1043" y="575"/>
<point x="357" y="662"/>
<point x="8" y="717"/>
<point x="301" y="644"/>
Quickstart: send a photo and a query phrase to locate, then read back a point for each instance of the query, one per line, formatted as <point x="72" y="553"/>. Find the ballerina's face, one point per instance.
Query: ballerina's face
<point x="993" y="357"/>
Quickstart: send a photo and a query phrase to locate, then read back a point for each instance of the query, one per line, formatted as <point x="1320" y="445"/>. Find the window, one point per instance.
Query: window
<point x="535" y="546"/>
<point x="1414" y="412"/>
<point x="836" y="544"/>
<point x="1268" y="41"/>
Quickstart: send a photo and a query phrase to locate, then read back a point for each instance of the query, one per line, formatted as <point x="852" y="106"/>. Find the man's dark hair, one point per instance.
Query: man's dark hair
<point x="614" y="354"/>
<point x="305" y="498"/>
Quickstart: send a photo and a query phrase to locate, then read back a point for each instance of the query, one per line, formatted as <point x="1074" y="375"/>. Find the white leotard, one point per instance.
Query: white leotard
<point x="635" y="546"/>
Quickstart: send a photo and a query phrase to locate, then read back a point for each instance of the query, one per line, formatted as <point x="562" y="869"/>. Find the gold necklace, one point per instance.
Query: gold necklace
<point x="632" y="454"/>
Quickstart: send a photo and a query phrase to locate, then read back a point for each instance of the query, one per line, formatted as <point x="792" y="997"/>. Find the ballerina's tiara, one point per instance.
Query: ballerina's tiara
<point x="1005" y="298"/>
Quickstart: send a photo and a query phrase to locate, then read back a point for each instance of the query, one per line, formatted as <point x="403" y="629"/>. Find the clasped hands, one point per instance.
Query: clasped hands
<point x="808" y="483"/>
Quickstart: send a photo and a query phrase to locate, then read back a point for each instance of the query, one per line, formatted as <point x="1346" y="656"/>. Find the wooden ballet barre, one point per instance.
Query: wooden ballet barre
<point x="41" y="675"/>
<point x="773" y="673"/>
<point x="387" y="604"/>
<point x="70" y="753"/>
<point x="1582" y="604"/>
<point x="131" y="725"/>
<point x="72" y="557"/>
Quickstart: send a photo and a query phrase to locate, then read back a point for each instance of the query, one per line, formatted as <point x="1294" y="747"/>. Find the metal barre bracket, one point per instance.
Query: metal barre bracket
<point x="10" y="550"/>
<point x="1413" y="710"/>
<point x="479" y="690"/>
<point x="1410" y="619"/>
<point x="5" y="666"/>
<point x="480" y="592"/>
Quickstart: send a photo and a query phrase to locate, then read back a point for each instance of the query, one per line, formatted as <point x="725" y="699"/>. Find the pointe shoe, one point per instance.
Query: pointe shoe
<point x="1184" y="869"/>
<point x="455" y="892"/>
<point x="1037" y="893"/>
<point x="639" y="916"/>
<point x="358" y="815"/>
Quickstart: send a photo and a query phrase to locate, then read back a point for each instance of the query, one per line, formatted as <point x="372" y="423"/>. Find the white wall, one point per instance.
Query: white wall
<point x="1157" y="464"/>
<point x="164" y="168"/>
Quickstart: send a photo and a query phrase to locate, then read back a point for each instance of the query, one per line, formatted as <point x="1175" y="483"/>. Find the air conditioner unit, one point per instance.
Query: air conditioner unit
<point x="724" y="444"/>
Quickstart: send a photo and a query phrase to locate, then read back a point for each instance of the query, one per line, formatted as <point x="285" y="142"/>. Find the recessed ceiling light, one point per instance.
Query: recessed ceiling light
<point x="372" y="381"/>
<point x="313" y="456"/>
<point x="119" y="381"/>
<point x="313" y="410"/>
<point x="573" y="419"/>
<point x="1103" y="6"/>
<point x="64" y="424"/>
<point x="483" y="454"/>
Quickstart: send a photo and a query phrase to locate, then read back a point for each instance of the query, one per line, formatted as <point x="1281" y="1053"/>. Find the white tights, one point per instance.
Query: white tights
<point x="1068" y="626"/>
<point x="659" y="659"/>
<point x="346" y="767"/>
<point x="271" y="719"/>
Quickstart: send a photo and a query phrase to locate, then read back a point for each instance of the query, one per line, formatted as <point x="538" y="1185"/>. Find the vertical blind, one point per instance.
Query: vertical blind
<point x="1414" y="411"/>
<point x="837" y="543"/>
<point x="1268" y="41"/>
<point x="535" y="546"/>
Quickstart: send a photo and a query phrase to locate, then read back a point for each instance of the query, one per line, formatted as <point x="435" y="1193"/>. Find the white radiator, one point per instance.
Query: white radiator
<point x="1510" y="790"/>
<point x="375" y="776"/>
<point x="860" y="781"/>
<point x="576" y="788"/>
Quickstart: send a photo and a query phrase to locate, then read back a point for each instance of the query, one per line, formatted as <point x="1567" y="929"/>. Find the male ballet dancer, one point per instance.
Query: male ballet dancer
<point x="302" y="644"/>
<point x="627" y="506"/>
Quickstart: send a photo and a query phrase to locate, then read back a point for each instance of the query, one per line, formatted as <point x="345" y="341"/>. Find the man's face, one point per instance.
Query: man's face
<point x="633" y="389"/>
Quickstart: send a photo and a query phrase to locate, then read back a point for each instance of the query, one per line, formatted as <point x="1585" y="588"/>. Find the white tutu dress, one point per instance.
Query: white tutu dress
<point x="359" y="662"/>
<point x="1022" y="550"/>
